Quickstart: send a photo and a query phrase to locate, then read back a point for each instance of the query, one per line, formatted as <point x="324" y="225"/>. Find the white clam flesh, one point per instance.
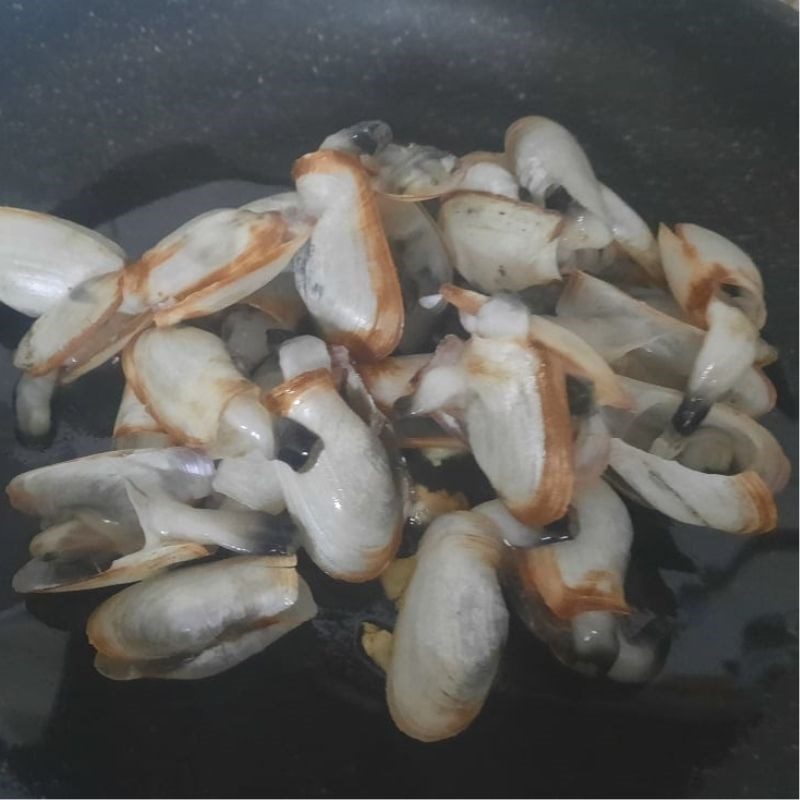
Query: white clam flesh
<point x="498" y="243"/>
<point x="545" y="155"/>
<point x="189" y="384"/>
<point x="345" y="501"/>
<point x="576" y="355"/>
<point x="32" y="399"/>
<point x="346" y="275"/>
<point x="586" y="573"/>
<point x="496" y="376"/>
<point x="43" y="258"/>
<point x="641" y="342"/>
<point x="135" y="428"/>
<point x="211" y="262"/>
<point x="450" y="630"/>
<point x="91" y="495"/>
<point x="700" y="264"/>
<point x="737" y="500"/>
<point x="196" y="622"/>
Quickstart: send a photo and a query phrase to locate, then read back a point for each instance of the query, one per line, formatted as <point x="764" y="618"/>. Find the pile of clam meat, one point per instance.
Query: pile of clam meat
<point x="286" y="361"/>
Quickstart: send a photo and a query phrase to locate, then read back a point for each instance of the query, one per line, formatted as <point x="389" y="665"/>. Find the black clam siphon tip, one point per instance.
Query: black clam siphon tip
<point x="558" y="531"/>
<point x="403" y="406"/>
<point x="371" y="137"/>
<point x="580" y="396"/>
<point x="297" y="446"/>
<point x="690" y="414"/>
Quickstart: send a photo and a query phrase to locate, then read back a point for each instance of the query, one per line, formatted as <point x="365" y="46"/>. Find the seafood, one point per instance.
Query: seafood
<point x="485" y="382"/>
<point x="437" y="371"/>
<point x="345" y="501"/>
<point x="189" y="384"/>
<point x="135" y="427"/>
<point x="423" y="265"/>
<point x="44" y="258"/>
<point x="346" y="276"/>
<point x="209" y="263"/>
<point x="642" y="342"/>
<point x="450" y="629"/>
<point x="500" y="244"/>
<point x="92" y="534"/>
<point x="197" y="622"/>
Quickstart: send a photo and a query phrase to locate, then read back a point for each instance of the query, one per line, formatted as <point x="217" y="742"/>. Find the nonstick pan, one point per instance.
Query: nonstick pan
<point x="687" y="107"/>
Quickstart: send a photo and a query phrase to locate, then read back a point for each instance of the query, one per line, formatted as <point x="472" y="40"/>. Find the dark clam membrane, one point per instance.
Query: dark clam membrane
<point x="690" y="415"/>
<point x="623" y="648"/>
<point x="365" y="138"/>
<point x="296" y="446"/>
<point x="81" y="547"/>
<point x="728" y="448"/>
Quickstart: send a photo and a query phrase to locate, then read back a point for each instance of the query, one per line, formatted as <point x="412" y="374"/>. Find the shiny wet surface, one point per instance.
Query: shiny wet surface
<point x="675" y="120"/>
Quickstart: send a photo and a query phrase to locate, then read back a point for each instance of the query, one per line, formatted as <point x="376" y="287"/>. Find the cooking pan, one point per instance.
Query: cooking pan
<point x="688" y="108"/>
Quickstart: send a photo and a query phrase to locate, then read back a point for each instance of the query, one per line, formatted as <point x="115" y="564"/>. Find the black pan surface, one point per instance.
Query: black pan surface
<point x="687" y="108"/>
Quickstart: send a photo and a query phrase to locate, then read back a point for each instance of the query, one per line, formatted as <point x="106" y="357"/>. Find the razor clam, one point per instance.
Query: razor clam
<point x="90" y="496"/>
<point x="213" y="261"/>
<point x="252" y="480"/>
<point x="32" y="398"/>
<point x="187" y="381"/>
<point x="345" y="501"/>
<point x="488" y="172"/>
<point x="496" y="376"/>
<point x="79" y="554"/>
<point x="80" y="331"/>
<point x="545" y="156"/>
<point x="134" y="427"/>
<point x="408" y="172"/>
<point x="423" y="264"/>
<point x="740" y="500"/>
<point x="642" y="342"/>
<point x="346" y="275"/>
<point x="596" y="643"/>
<point x="392" y="378"/>
<point x="719" y="288"/>
<point x="500" y="244"/>
<point x="450" y="630"/>
<point x="244" y="331"/>
<point x="586" y="573"/>
<point x="43" y="258"/>
<point x="199" y="621"/>
<point x="577" y="356"/>
<point x="700" y="264"/>
<point x="570" y="594"/>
